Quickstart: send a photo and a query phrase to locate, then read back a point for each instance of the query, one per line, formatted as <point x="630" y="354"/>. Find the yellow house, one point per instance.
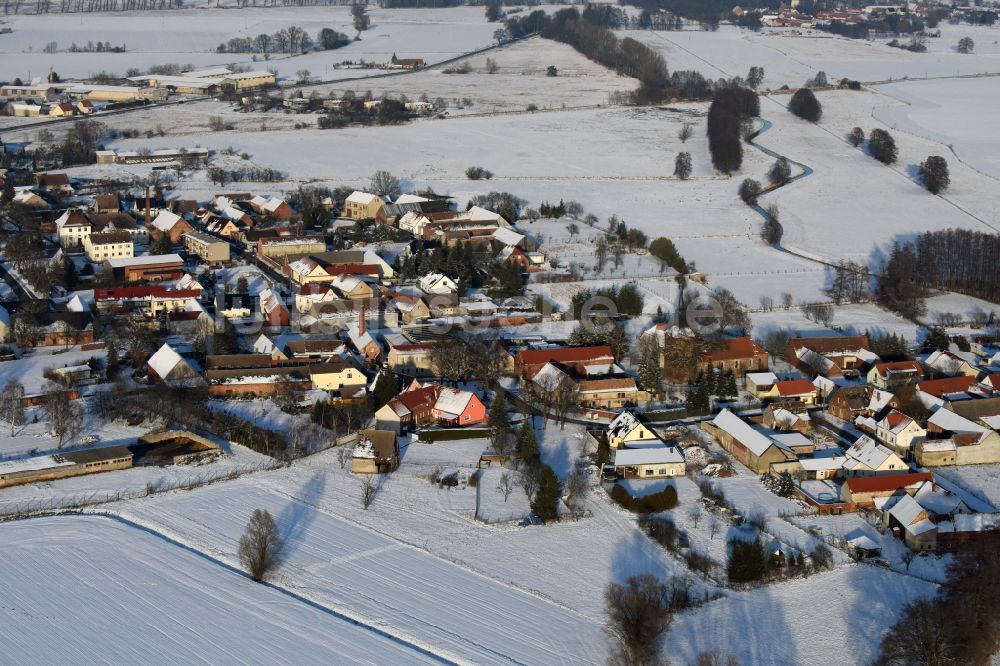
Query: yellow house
<point x="801" y="390"/>
<point x="206" y="246"/>
<point x="375" y="452"/>
<point x="414" y="359"/>
<point x="336" y="375"/>
<point x="307" y="270"/>
<point x="626" y="429"/>
<point x="869" y="458"/>
<point x="108" y="245"/>
<point x="362" y="206"/>
<point x="610" y="393"/>
<point x="255" y="79"/>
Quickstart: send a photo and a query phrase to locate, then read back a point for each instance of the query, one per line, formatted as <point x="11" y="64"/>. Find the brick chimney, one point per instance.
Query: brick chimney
<point x="149" y="221"/>
<point x="361" y="322"/>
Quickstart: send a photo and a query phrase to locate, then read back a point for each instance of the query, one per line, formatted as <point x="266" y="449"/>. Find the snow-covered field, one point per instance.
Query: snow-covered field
<point x="190" y="36"/>
<point x="106" y="592"/>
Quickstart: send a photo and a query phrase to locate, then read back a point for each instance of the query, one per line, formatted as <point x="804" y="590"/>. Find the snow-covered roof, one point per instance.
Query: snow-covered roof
<point x="906" y="510"/>
<point x="822" y="463"/>
<point x="947" y="420"/>
<point x="866" y="451"/>
<point x="145" y="260"/>
<point x="363" y="198"/>
<point x="507" y="236"/>
<point x="410" y="198"/>
<point x="211" y="72"/>
<point x="549" y="376"/>
<point x="33" y="464"/>
<point x="164" y="360"/>
<point x="452" y="400"/>
<point x="756" y="441"/>
<point x="654" y="455"/>
<point x="788" y="440"/>
<point x="762" y="378"/>
<point x="623" y="424"/>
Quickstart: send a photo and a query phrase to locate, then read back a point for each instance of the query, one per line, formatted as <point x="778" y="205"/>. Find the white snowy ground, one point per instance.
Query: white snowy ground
<point x="791" y="57"/>
<point x="191" y="36"/>
<point x="107" y="592"/>
<point x="29" y="368"/>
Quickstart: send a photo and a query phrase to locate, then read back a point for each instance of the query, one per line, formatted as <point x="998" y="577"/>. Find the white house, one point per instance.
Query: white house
<point x="438" y="283"/>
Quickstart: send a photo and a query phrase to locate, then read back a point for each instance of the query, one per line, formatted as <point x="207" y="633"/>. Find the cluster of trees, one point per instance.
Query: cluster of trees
<point x="959" y="625"/>
<point x="539" y="481"/>
<point x="467" y="357"/>
<point x="712" y="382"/>
<point x="934" y="174"/>
<point x="640" y="612"/>
<point x="749" y="561"/>
<point x="663" y="500"/>
<point x="731" y="106"/>
<point x="287" y="40"/>
<point x="626" y="300"/>
<point x="889" y="346"/>
<point x="360" y="19"/>
<point x="600" y="330"/>
<point x="881" y="146"/>
<point x="387" y="112"/>
<point x="955" y="259"/>
<point x="849" y="282"/>
<point x="503" y="203"/>
<point x="805" y="105"/>
<point x="626" y="56"/>
<point x="965" y="45"/>
<point x="664" y="249"/>
<point x="78" y="146"/>
<point x="253" y="174"/>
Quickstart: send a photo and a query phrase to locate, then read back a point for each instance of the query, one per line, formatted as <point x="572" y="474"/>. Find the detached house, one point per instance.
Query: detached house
<point x="897" y="431"/>
<point x="108" y="245"/>
<point x="72" y="227"/>
<point x="272" y="207"/>
<point x="869" y="458"/>
<point x="952" y="363"/>
<point x="892" y="376"/>
<point x="171" y="225"/>
<point x="422" y="405"/>
<point x="751" y="447"/>
<point x="375" y="452"/>
<point x="740" y="355"/>
<point x="363" y="206"/>
<point x="626" y="430"/>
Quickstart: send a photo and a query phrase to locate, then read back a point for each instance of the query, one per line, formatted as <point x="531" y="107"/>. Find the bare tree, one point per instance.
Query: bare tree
<point x="260" y="545"/>
<point x="576" y="488"/>
<point x="506" y="485"/>
<point x="786" y="300"/>
<point x="11" y="408"/>
<point x="685" y="132"/>
<point x="368" y="490"/>
<point x="384" y="184"/>
<point x="638" y="617"/>
<point x="766" y="303"/>
<point x="565" y="396"/>
<point x="64" y="415"/>
<point x="694" y="515"/>
<point x="714" y="658"/>
<point x="342" y="456"/>
<point x="529" y="481"/>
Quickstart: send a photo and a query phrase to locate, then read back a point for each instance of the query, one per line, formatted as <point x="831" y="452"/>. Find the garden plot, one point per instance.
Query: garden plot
<point x="59" y="569"/>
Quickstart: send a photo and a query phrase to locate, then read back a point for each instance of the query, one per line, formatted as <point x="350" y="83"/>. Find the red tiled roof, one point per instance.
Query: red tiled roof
<point x="794" y="387"/>
<point x="892" y="483"/>
<point x="735" y="348"/>
<point x="119" y="293"/>
<point x="945" y="385"/>
<point x="993" y="381"/>
<point x="564" y="354"/>
<point x="898" y="366"/>
<point x="895" y="418"/>
<point x="607" y="385"/>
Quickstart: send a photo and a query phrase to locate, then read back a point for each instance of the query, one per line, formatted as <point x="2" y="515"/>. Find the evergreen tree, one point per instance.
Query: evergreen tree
<point x="385" y="389"/>
<point x="747" y="561"/>
<point x="934" y="173"/>
<point x="527" y="443"/>
<point x="498" y="419"/>
<point x="546" y="501"/>
<point x="936" y="340"/>
<point x="113" y="364"/>
<point x="786" y="487"/>
<point x="649" y="373"/>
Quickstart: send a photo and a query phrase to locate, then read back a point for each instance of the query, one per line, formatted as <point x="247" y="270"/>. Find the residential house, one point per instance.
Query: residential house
<point x="895" y="375"/>
<point x="72" y="227"/>
<point x="851" y="402"/>
<point x="106" y="203"/>
<point x="948" y="388"/>
<point x="801" y="390"/>
<point x="363" y="206"/>
<point x="609" y="393"/>
<point x="904" y="514"/>
<point x="375" y="452"/>
<point x="171" y="225"/>
<point x="100" y="247"/>
<point x="527" y="362"/>
<point x="869" y="458"/>
<point x="414" y="359"/>
<point x="653" y="462"/>
<point x="864" y="491"/>
<point x="54" y="182"/>
<point x="786" y="415"/>
<point x="25" y="197"/>
<point x="422" y="405"/>
<point x="62" y="109"/>
<point x="760" y="384"/>
<point x="272" y="207"/>
<point x="951" y="363"/>
<point x="361" y="341"/>
<point x="897" y="431"/>
<point x="437" y="283"/>
<point x="169" y="367"/>
<point x="626" y="430"/>
<point x="338" y="375"/>
<point x="739" y="355"/>
<point x="831" y="356"/>
<point x="751" y="447"/>
<point x="283" y="247"/>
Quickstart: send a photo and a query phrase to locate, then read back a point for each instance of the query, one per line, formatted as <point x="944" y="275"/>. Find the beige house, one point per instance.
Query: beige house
<point x="72" y="227"/>
<point x="375" y="452"/>
<point x="336" y="375"/>
<point x="414" y="359"/>
<point x="654" y="462"/>
<point x="206" y="246"/>
<point x="363" y="206"/>
<point x="869" y="458"/>
<point x="284" y="246"/>
<point x="108" y="245"/>
<point x="761" y="383"/>
<point x="610" y="393"/>
<point x="897" y="431"/>
<point x="626" y="429"/>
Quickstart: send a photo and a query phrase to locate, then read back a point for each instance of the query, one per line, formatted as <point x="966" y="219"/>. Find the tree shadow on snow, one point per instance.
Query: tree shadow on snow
<point x="295" y="519"/>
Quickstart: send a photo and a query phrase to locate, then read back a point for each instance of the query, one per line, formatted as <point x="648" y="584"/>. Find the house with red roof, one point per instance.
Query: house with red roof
<point x="864" y="490"/>
<point x="898" y="432"/>
<point x="895" y="375"/>
<point x="419" y="406"/>
<point x="800" y="390"/>
<point x="946" y="386"/>
<point x="741" y="355"/>
<point x="528" y="362"/>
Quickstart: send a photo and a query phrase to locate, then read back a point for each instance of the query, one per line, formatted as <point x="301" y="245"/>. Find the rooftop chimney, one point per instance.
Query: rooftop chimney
<point x="148" y="220"/>
<point x="361" y="322"/>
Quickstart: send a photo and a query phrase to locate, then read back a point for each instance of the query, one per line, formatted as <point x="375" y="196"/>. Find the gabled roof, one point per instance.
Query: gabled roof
<point x="946" y="385"/>
<point x="734" y="348"/>
<point x="887" y="483"/>
<point x="795" y="387"/>
<point x="564" y="354"/>
<point x="866" y="452"/>
<point x="652" y="455"/>
<point x="740" y="430"/>
<point x="906" y="510"/>
<point x="885" y="369"/>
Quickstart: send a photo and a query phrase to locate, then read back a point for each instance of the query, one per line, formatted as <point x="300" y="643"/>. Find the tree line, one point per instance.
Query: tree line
<point x="958" y="260"/>
<point x="292" y="39"/>
<point x="731" y="107"/>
